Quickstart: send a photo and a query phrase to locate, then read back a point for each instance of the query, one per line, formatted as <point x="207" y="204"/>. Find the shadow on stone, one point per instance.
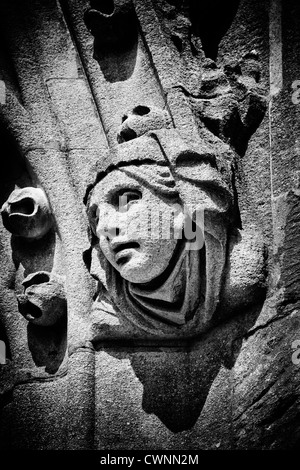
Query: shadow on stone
<point x="34" y="256"/>
<point x="48" y="345"/>
<point x="177" y="380"/>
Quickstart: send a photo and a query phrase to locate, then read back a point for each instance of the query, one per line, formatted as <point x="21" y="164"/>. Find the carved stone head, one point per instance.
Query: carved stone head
<point x="162" y="214"/>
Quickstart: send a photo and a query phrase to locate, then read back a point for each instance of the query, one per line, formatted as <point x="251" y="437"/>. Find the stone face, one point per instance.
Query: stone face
<point x="149" y="244"/>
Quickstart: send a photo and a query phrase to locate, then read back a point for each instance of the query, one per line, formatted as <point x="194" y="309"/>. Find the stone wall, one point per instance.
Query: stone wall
<point x="200" y="101"/>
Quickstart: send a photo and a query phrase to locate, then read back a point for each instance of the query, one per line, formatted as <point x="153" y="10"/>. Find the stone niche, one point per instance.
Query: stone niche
<point x="150" y="230"/>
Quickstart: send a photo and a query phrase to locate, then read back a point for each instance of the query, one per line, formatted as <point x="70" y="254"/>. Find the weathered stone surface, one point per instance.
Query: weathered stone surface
<point x="43" y="302"/>
<point x="43" y="425"/>
<point x="177" y="397"/>
<point x="111" y="111"/>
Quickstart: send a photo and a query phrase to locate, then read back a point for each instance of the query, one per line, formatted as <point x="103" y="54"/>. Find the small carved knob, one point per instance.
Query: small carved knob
<point x="141" y="120"/>
<point x="26" y="213"/>
<point x="43" y="302"/>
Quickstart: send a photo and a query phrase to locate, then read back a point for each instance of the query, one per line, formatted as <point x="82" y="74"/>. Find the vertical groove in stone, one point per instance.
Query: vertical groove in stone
<point x="276" y="74"/>
<point x="68" y="23"/>
<point x="81" y="400"/>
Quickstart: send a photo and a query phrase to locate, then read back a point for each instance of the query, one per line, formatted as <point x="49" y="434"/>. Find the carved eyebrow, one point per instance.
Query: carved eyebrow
<point x="114" y="193"/>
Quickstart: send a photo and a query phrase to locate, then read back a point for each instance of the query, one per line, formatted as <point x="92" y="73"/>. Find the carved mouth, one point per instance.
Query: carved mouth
<point x="29" y="310"/>
<point x="121" y="251"/>
<point x="125" y="246"/>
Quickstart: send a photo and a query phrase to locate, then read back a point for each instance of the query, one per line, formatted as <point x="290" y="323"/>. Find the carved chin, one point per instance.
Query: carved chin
<point x="137" y="271"/>
<point x="142" y="266"/>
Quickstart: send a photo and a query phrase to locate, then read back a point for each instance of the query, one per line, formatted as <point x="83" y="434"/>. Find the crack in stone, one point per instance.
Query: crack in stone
<point x="257" y="399"/>
<point x="265" y="325"/>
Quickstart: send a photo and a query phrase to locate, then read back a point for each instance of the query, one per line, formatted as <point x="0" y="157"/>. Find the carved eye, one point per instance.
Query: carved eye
<point x="127" y="197"/>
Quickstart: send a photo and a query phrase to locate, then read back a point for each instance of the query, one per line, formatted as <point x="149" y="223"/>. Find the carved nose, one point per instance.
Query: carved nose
<point x="141" y="120"/>
<point x="111" y="232"/>
<point x="109" y="228"/>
